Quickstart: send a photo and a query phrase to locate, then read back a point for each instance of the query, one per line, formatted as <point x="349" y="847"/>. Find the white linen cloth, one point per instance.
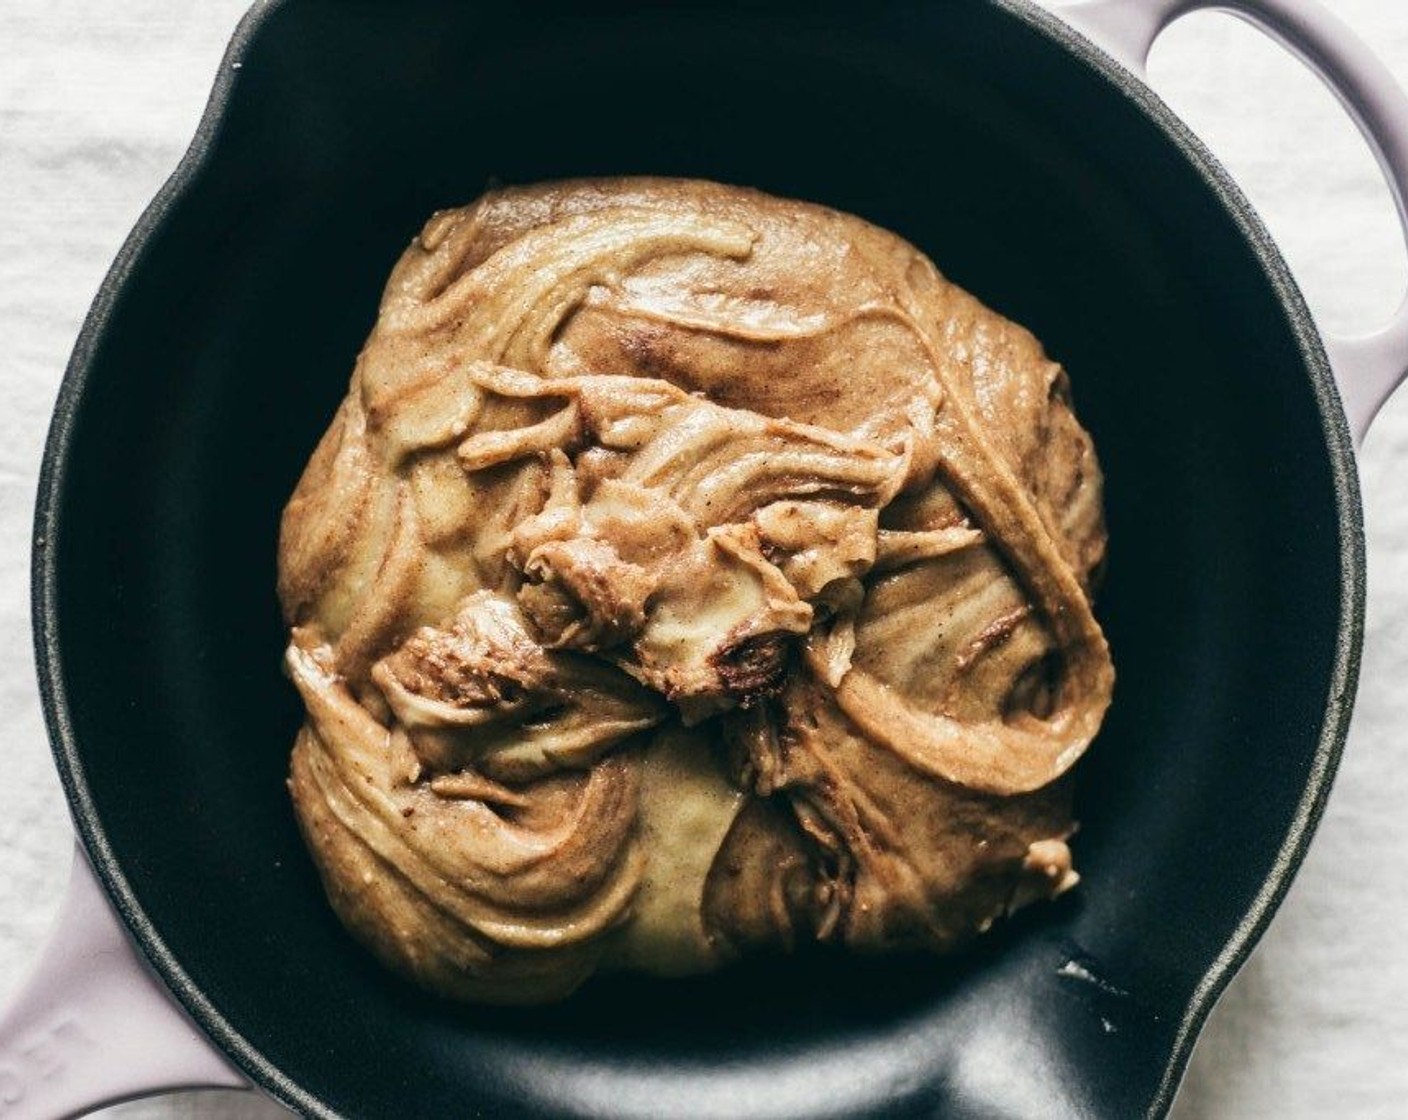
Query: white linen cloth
<point x="98" y="99"/>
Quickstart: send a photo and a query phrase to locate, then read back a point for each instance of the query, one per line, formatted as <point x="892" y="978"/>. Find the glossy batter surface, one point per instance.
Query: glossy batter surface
<point x="687" y="571"/>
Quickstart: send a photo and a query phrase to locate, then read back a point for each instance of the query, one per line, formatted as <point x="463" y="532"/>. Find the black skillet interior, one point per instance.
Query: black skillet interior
<point x="1032" y="181"/>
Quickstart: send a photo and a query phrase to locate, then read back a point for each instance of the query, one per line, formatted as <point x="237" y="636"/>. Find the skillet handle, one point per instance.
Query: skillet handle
<point x="93" y="1025"/>
<point x="1369" y="367"/>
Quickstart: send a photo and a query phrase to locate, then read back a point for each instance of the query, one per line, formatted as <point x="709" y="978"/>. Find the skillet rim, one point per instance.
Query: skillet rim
<point x="1339" y="446"/>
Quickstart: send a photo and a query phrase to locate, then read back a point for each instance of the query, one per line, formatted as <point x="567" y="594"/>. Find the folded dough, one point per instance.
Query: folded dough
<point x="687" y="572"/>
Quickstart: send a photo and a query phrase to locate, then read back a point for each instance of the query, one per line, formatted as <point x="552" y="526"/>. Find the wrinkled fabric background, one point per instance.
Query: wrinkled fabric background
<point x="98" y="99"/>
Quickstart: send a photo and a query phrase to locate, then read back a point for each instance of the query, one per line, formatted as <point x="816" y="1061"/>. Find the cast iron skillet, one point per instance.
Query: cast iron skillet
<point x="1037" y="174"/>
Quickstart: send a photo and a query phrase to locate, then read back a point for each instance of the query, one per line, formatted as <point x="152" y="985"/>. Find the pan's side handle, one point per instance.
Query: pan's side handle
<point x="1368" y="367"/>
<point x="92" y="1025"/>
